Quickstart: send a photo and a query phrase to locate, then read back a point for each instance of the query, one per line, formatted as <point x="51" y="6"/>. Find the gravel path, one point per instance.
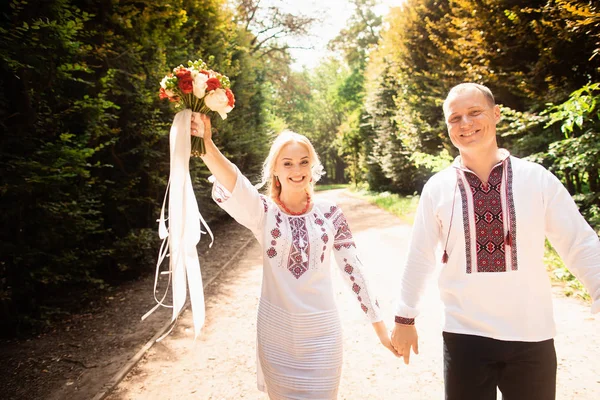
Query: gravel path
<point x="221" y="363"/>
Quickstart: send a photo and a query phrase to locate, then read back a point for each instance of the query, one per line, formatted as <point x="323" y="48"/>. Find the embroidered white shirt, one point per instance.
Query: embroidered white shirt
<point x="515" y="303"/>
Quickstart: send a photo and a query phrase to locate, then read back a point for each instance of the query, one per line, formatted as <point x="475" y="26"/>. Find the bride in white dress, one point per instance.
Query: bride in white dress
<point x="299" y="336"/>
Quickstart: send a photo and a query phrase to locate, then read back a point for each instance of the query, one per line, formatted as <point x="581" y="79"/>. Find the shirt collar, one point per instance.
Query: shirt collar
<point x="457" y="163"/>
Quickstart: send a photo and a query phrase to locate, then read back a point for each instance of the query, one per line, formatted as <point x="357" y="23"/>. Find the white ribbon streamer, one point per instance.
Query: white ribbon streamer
<point x="184" y="230"/>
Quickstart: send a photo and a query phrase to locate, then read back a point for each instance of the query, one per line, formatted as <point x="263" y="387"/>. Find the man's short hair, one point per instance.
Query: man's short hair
<point x="463" y="87"/>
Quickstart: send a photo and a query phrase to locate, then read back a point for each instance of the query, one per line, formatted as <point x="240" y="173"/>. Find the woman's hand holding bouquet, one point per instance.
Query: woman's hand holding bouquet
<point x="200" y="89"/>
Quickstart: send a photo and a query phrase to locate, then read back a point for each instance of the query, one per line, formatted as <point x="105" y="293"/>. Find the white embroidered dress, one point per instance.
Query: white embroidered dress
<point x="299" y="336"/>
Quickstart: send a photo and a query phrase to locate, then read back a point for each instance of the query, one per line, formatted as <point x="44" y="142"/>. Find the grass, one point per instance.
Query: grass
<point x="559" y="273"/>
<point x="319" y="187"/>
<point x="404" y="207"/>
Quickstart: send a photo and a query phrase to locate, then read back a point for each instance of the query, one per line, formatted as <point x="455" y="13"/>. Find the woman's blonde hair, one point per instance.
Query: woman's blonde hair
<point x="284" y="138"/>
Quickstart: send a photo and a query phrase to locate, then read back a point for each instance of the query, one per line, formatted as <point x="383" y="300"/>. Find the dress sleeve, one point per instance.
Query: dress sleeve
<point x="353" y="271"/>
<point x="574" y="240"/>
<point x="244" y="204"/>
<point x="420" y="263"/>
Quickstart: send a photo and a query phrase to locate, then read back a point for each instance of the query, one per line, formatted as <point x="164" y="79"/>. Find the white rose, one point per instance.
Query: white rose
<point x="199" y="84"/>
<point x="217" y="101"/>
<point x="163" y="83"/>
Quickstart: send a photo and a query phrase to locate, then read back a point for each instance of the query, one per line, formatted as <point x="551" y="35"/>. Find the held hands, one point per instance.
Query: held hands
<point x="403" y="338"/>
<point x="382" y="333"/>
<point x="201" y="126"/>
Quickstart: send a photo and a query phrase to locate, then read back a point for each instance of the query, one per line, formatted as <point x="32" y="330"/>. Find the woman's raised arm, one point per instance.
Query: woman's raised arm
<point x="216" y="162"/>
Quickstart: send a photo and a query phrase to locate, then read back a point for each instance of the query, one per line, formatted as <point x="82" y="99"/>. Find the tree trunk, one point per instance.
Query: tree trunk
<point x="340" y="166"/>
<point x="577" y="178"/>
<point x="569" y="182"/>
<point x="594" y="179"/>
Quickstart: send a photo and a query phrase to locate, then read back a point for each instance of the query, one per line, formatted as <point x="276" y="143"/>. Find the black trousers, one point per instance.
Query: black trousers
<point x="474" y="366"/>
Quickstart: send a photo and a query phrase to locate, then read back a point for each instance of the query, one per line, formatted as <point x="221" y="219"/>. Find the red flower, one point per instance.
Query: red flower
<point x="186" y="86"/>
<point x="182" y="73"/>
<point x="163" y="94"/>
<point x="230" y="97"/>
<point x="212" y="84"/>
<point x="185" y="81"/>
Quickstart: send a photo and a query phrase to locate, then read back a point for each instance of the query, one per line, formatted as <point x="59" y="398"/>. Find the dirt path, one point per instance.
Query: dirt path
<point x="81" y="354"/>
<point x="221" y="363"/>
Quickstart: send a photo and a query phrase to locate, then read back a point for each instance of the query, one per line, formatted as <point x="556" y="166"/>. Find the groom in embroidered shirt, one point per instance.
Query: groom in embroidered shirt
<point x="491" y="213"/>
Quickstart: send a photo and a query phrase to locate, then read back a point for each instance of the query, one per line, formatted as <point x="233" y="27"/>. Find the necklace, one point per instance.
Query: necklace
<point x="287" y="210"/>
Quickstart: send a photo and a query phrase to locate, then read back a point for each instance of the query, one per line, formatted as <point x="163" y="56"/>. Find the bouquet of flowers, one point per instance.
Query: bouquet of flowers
<point x="200" y="89"/>
<point x="194" y="88"/>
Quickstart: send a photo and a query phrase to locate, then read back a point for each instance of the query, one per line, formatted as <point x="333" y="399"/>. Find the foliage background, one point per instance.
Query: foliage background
<point x="83" y="150"/>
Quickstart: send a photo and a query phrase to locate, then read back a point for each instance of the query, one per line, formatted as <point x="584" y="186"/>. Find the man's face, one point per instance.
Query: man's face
<point x="471" y="121"/>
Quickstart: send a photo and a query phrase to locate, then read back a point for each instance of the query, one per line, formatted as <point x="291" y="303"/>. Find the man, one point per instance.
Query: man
<point x="491" y="213"/>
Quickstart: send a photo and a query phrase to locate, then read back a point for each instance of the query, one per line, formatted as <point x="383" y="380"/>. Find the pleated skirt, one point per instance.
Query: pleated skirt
<point x="299" y="354"/>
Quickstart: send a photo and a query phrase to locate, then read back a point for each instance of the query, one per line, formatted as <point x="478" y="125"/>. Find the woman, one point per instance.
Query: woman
<point x="299" y="338"/>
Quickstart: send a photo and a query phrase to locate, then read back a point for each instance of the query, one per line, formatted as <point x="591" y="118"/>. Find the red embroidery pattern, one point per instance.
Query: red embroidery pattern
<point x="324" y="236"/>
<point x="489" y="219"/>
<point x="219" y="194"/>
<point x="276" y="234"/>
<point x="265" y="205"/>
<point x="404" y="321"/>
<point x="349" y="269"/>
<point x="513" y="218"/>
<point x="467" y="227"/>
<point x="343" y="235"/>
<point x="300" y="249"/>
<point x="332" y="210"/>
<point x="489" y="227"/>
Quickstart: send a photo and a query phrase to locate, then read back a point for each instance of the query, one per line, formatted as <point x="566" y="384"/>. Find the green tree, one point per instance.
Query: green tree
<point x="84" y="160"/>
<point x="576" y="157"/>
<point x="54" y="122"/>
<point x="355" y="43"/>
<point x="528" y="53"/>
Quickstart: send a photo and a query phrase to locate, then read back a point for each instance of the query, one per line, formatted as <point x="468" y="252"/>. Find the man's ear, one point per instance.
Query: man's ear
<point x="497" y="115"/>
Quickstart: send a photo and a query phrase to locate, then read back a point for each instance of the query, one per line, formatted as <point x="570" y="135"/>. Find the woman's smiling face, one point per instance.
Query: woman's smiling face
<point x="293" y="167"/>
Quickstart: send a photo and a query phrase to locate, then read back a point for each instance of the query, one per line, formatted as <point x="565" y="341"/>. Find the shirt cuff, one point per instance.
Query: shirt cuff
<point x="404" y="321"/>
<point x="405" y="311"/>
<point x="219" y="193"/>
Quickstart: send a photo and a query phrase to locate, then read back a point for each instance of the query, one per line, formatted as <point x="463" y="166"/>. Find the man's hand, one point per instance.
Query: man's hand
<point x="403" y="338"/>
